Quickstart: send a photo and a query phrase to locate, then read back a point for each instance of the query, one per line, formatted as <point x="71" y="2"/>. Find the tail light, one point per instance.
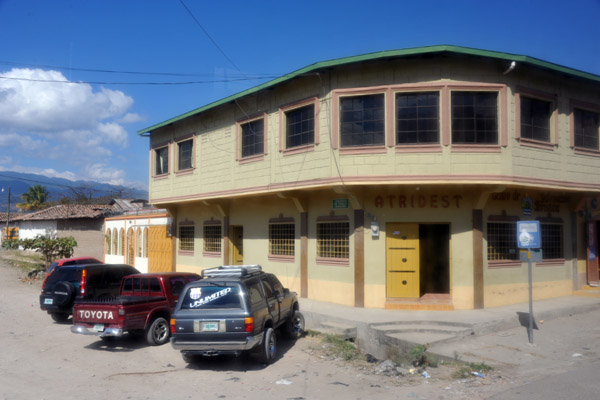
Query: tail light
<point x="45" y="280"/>
<point x="249" y="323"/>
<point x="172" y="325"/>
<point x="83" y="282"/>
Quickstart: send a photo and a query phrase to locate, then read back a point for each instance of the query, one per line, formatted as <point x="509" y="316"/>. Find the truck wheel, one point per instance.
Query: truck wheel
<point x="268" y="348"/>
<point x="59" y="317"/>
<point x="294" y="326"/>
<point x="63" y="293"/>
<point x="158" y="332"/>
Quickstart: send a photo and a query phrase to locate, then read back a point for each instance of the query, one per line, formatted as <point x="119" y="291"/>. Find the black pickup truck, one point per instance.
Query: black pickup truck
<point x="234" y="309"/>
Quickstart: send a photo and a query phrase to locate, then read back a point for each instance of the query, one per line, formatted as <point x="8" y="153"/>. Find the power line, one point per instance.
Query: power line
<point x="133" y="83"/>
<point x="210" y="37"/>
<point x="110" y="71"/>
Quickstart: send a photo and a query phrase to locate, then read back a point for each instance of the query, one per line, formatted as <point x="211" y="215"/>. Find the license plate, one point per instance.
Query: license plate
<point x="47" y="301"/>
<point x="99" y="327"/>
<point x="210" y="327"/>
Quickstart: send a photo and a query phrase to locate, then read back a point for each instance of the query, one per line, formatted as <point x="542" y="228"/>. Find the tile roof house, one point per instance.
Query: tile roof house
<point x="84" y="222"/>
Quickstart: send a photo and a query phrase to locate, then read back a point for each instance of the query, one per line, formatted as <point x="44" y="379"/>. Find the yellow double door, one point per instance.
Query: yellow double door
<point x="402" y="265"/>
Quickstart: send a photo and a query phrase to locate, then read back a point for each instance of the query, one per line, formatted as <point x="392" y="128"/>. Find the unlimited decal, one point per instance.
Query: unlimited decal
<point x="206" y="299"/>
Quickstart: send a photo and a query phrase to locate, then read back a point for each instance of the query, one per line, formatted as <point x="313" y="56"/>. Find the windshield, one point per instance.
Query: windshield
<point x="211" y="297"/>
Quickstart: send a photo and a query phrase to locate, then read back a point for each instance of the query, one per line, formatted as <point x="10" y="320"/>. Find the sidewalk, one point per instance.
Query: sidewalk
<point x="378" y="331"/>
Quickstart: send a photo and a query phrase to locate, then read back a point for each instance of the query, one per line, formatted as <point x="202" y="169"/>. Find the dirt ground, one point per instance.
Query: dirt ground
<point x="42" y="359"/>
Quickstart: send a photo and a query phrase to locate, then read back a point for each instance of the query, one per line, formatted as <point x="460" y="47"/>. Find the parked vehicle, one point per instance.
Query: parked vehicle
<point x="144" y="305"/>
<point x="234" y="309"/>
<point x="72" y="261"/>
<point x="88" y="281"/>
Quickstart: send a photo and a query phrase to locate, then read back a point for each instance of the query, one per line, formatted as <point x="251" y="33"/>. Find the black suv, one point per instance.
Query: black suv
<point x="83" y="281"/>
<point x="235" y="308"/>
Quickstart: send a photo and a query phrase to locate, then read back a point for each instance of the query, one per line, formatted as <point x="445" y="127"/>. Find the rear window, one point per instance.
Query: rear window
<point x="65" y="274"/>
<point x="211" y="297"/>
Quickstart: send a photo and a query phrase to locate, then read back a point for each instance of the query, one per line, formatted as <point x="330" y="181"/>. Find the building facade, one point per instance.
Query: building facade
<point x="141" y="239"/>
<point x="392" y="179"/>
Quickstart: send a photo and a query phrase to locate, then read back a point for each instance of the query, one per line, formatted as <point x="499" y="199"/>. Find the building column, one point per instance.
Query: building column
<point x="478" y="302"/>
<point x="304" y="254"/>
<point x="359" y="258"/>
<point x="226" y="245"/>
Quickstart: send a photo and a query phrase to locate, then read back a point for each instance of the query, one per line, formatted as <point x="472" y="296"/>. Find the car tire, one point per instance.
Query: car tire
<point x="268" y="347"/>
<point x="59" y="317"/>
<point x="188" y="358"/>
<point x="158" y="332"/>
<point x="63" y="293"/>
<point x="294" y="326"/>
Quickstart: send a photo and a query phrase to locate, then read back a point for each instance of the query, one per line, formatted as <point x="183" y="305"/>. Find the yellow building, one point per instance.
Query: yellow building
<point x="392" y="179"/>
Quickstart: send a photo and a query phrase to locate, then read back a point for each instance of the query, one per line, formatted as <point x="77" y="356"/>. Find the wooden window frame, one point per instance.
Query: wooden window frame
<point x="154" y="157"/>
<point x="238" y="139"/>
<point x="584" y="106"/>
<point x="178" y="143"/>
<point x="283" y="110"/>
<point x="552" y="99"/>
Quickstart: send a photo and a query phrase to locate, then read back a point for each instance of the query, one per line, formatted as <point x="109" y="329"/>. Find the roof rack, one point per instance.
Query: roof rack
<point x="232" y="270"/>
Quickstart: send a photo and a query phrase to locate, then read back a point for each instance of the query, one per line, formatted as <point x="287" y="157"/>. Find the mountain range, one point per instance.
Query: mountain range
<point x="59" y="188"/>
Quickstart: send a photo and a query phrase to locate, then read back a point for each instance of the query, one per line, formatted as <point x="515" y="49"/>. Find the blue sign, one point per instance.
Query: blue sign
<point x="529" y="235"/>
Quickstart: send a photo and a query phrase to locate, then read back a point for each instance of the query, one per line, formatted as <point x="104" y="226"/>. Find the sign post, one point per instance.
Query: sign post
<point x="529" y="237"/>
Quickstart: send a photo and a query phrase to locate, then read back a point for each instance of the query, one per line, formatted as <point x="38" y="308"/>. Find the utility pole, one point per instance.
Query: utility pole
<point x="7" y="214"/>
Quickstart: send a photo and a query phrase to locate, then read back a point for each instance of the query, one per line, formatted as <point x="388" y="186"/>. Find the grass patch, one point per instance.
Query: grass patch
<point x="25" y="261"/>
<point x="465" y="371"/>
<point x="337" y="347"/>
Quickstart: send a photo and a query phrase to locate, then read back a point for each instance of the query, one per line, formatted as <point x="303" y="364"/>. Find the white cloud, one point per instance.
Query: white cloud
<point x="44" y="106"/>
<point x="102" y="173"/>
<point x="23" y="144"/>
<point x="131" y="118"/>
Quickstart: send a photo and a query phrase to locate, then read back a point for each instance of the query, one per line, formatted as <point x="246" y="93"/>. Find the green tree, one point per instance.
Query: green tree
<point x="34" y="198"/>
<point x="50" y="246"/>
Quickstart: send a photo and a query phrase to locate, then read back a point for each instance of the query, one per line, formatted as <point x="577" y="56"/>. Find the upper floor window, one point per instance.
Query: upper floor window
<point x="417" y="118"/>
<point x="535" y="119"/>
<point x="474" y="117"/>
<point x="161" y="157"/>
<point x="184" y="154"/>
<point x="362" y="120"/>
<point x="587" y="129"/>
<point x="300" y="126"/>
<point x="253" y="137"/>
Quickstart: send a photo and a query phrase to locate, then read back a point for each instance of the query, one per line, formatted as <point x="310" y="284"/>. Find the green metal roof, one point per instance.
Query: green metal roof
<point x="415" y="51"/>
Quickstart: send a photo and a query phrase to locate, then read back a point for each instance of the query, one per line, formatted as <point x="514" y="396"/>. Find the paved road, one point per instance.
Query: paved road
<point x="579" y="384"/>
<point x="44" y="360"/>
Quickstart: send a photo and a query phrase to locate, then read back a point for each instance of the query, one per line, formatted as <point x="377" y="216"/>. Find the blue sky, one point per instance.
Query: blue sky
<point x="78" y="79"/>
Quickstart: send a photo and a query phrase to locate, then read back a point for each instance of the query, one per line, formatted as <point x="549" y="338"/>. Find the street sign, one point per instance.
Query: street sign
<point x="340" y="203"/>
<point x="529" y="235"/>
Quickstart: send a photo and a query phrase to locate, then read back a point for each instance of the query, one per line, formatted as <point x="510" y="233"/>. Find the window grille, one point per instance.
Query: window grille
<point x="281" y="239"/>
<point x="333" y="240"/>
<point x="502" y="241"/>
<point x="186" y="237"/>
<point x="552" y="241"/>
<point x="212" y="238"/>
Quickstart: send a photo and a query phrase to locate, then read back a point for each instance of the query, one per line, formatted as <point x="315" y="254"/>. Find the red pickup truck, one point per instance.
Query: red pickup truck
<point x="144" y="305"/>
